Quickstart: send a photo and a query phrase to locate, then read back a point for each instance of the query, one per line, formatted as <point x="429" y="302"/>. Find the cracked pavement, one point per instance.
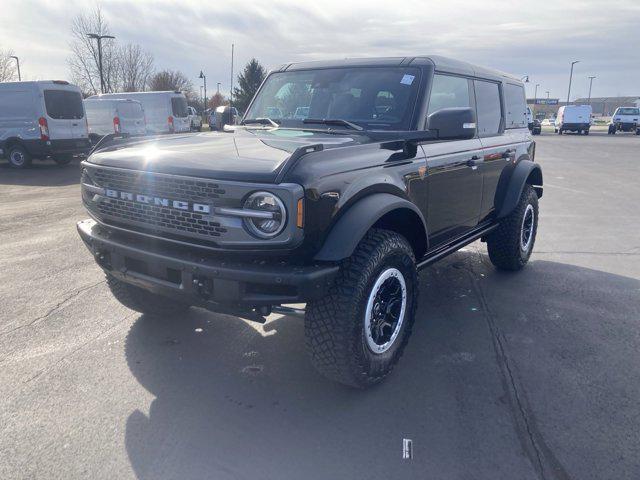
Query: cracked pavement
<point x="507" y="376"/>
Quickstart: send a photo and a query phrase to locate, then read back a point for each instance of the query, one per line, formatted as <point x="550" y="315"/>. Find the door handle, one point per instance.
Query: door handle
<point x="474" y="161"/>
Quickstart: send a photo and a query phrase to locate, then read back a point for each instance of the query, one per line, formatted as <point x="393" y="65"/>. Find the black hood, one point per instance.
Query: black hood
<point x="243" y="155"/>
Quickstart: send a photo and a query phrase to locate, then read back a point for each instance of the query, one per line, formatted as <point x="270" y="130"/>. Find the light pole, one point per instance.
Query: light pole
<point x="219" y="87"/>
<point x="18" y="62"/>
<point x="231" y="89"/>
<point x="535" y="98"/>
<point x="570" y="78"/>
<point x="204" y="77"/>
<point x="547" y="92"/>
<point x="99" y="38"/>
<point x="525" y="79"/>
<point x="590" y="84"/>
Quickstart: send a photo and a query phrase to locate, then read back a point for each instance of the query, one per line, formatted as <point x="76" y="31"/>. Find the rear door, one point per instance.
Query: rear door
<point x="180" y="113"/>
<point x="131" y="117"/>
<point x="453" y="177"/>
<point x="498" y="142"/>
<point x="64" y="113"/>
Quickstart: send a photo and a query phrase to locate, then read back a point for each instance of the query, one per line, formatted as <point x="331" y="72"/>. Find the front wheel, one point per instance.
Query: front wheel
<point x="357" y="333"/>
<point x="510" y="245"/>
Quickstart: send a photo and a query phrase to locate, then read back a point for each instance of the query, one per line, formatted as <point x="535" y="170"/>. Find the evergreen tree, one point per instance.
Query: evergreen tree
<point x="249" y="81"/>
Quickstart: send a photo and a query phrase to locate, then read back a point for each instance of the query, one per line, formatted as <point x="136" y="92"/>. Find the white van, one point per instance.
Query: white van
<point x="106" y="116"/>
<point x="574" y="118"/>
<point x="42" y="119"/>
<point x="165" y="112"/>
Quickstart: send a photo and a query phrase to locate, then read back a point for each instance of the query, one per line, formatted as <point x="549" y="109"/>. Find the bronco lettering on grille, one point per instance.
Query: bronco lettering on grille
<point x="158" y="201"/>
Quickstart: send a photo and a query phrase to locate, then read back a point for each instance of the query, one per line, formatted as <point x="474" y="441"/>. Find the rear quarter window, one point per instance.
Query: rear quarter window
<point x="516" y="114"/>
<point x="130" y="110"/>
<point x="489" y="108"/>
<point x="179" y="107"/>
<point x="63" y="104"/>
<point x="16" y="104"/>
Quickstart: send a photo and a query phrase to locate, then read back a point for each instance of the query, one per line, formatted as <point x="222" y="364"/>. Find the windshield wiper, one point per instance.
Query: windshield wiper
<point x="334" y="121"/>
<point x="261" y="121"/>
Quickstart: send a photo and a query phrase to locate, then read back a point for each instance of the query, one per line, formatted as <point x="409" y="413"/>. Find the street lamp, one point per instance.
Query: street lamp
<point x="18" y="62"/>
<point x="99" y="39"/>
<point x="535" y="98"/>
<point x="570" y="78"/>
<point x="525" y="79"/>
<point x="204" y="77"/>
<point x="219" y="86"/>
<point x="590" y="84"/>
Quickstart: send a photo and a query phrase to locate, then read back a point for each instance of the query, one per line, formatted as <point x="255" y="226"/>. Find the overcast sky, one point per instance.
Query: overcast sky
<point x="537" y="37"/>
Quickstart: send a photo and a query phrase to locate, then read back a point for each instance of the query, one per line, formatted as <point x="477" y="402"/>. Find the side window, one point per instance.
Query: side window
<point x="517" y="110"/>
<point x="448" y="91"/>
<point x="489" y="109"/>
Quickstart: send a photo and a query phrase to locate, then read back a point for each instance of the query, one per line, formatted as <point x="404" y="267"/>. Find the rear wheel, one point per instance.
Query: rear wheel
<point x="357" y="333"/>
<point x="510" y="245"/>
<point x="144" y="301"/>
<point x="18" y="156"/>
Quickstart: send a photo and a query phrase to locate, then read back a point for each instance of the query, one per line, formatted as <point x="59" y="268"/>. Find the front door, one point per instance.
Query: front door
<point x="454" y="175"/>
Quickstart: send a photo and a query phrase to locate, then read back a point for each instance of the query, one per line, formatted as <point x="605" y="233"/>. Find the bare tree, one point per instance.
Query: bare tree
<point x="172" y="80"/>
<point x="135" y="68"/>
<point x="8" y="70"/>
<point x="83" y="61"/>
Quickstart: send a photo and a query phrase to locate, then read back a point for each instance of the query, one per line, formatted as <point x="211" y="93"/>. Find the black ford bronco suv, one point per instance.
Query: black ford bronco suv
<point x="342" y="180"/>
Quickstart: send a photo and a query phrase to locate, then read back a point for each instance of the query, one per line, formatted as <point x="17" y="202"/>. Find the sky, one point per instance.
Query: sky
<point x="538" y="38"/>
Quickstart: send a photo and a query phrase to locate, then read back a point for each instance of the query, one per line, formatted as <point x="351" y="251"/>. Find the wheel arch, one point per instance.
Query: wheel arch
<point x="378" y="210"/>
<point x="525" y="172"/>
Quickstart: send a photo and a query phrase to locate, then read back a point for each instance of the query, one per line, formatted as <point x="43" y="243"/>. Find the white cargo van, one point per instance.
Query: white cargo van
<point x="42" y="119"/>
<point x="165" y="112"/>
<point x="106" y="116"/>
<point x="574" y="118"/>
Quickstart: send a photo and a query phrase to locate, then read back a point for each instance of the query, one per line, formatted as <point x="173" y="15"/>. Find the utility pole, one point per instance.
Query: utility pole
<point x="204" y="77"/>
<point x="590" y="84"/>
<point x="547" y="92"/>
<point x="18" y="62"/>
<point x="231" y="89"/>
<point x="570" y="78"/>
<point x="99" y="39"/>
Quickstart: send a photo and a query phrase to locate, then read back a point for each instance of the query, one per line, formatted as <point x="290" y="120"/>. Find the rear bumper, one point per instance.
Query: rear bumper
<point x="41" y="148"/>
<point x="203" y="279"/>
<point x="575" y="126"/>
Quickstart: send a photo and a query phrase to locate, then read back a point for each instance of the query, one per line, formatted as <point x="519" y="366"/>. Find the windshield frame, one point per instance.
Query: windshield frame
<point x="415" y="104"/>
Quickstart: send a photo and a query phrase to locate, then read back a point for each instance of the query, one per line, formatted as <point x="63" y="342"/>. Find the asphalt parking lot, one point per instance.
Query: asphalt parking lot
<point x="507" y="376"/>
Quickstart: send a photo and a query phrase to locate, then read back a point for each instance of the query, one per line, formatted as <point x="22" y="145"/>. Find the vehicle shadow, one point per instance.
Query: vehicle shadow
<point x="503" y="378"/>
<point x="41" y="174"/>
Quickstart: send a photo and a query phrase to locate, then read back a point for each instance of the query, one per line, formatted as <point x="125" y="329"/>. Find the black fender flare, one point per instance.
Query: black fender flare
<point x="523" y="170"/>
<point x="351" y="227"/>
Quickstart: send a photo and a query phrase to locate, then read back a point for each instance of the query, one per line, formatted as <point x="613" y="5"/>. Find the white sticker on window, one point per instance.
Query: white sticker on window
<point x="407" y="79"/>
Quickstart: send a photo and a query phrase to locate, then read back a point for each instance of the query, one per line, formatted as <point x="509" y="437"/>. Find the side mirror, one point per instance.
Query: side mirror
<point x="224" y="116"/>
<point x="456" y="123"/>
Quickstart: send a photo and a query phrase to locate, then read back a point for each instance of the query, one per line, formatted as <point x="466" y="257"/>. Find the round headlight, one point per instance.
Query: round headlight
<point x="266" y="215"/>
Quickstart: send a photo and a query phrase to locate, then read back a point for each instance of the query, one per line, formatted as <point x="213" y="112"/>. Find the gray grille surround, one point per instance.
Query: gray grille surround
<point x="159" y="218"/>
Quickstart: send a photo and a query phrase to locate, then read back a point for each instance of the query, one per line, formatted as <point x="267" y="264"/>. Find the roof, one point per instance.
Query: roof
<point x="440" y="63"/>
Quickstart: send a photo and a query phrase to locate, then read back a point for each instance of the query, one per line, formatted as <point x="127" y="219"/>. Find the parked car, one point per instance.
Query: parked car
<point x="42" y="119"/>
<point x="213" y="117"/>
<point x="165" y="112"/>
<point x="548" y="122"/>
<point x="338" y="210"/>
<point x="573" y="118"/>
<point x="533" y="123"/>
<point x="107" y="116"/>
<point x="625" y="119"/>
<point x="195" y="120"/>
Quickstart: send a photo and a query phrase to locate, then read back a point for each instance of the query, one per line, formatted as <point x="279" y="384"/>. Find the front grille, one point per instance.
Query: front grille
<point x="157" y="218"/>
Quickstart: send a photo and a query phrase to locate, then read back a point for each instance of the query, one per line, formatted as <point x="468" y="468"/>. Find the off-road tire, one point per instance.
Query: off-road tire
<point x="18" y="156"/>
<point x="335" y="325"/>
<point x="144" y="301"/>
<point x="504" y="243"/>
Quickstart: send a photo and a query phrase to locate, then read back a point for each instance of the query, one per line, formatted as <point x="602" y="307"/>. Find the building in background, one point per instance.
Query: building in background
<point x="602" y="106"/>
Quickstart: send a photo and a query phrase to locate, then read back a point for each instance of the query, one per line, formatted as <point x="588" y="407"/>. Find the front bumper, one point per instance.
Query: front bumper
<point x="201" y="278"/>
<point x="625" y="126"/>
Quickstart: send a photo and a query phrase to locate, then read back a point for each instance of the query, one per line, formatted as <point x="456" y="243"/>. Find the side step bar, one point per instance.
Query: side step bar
<point x="445" y="250"/>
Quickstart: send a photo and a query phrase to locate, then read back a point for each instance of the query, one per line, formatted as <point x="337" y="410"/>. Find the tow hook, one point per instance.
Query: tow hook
<point x="203" y="286"/>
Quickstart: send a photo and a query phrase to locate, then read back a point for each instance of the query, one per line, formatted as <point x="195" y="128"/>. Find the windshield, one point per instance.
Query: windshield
<point x="627" y="111"/>
<point x="179" y="106"/>
<point x="375" y="97"/>
<point x="63" y="104"/>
